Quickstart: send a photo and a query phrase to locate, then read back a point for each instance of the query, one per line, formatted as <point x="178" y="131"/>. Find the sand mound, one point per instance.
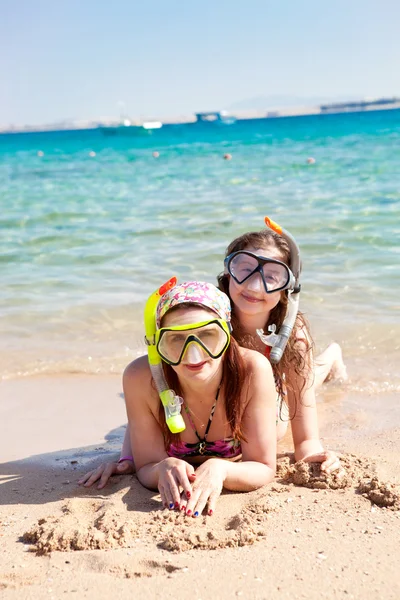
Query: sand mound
<point x="310" y="475"/>
<point x="87" y="524"/>
<point x="386" y="495"/>
<point x="74" y="531"/>
<point x="206" y="533"/>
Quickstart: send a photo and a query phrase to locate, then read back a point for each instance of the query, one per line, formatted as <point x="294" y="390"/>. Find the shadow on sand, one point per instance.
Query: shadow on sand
<point x="53" y="476"/>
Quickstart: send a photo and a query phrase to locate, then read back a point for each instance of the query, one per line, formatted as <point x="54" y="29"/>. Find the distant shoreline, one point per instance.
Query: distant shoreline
<point x="343" y="108"/>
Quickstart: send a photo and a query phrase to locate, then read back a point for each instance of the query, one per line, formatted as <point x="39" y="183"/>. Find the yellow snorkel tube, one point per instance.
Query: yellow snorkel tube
<point x="278" y="341"/>
<point x="171" y="402"/>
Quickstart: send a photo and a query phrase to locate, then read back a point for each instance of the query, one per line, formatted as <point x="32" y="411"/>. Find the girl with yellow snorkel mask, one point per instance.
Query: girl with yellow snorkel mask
<point x="227" y="395"/>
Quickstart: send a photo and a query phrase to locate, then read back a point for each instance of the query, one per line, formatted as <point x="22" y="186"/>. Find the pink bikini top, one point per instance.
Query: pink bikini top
<point x="226" y="448"/>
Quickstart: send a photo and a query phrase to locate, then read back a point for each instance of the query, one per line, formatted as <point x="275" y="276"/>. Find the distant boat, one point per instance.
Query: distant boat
<point x="361" y="105"/>
<point x="221" y="117"/>
<point x="129" y="128"/>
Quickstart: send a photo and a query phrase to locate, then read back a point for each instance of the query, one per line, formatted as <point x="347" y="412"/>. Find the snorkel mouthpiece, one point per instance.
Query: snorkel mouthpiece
<point x="278" y="341"/>
<point x="171" y="402"/>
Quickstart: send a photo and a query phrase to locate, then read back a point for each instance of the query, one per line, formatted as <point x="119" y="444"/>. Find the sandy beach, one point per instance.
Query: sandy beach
<point x="297" y="538"/>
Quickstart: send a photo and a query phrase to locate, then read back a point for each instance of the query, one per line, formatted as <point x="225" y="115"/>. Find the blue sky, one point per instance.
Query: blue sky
<point x="76" y="59"/>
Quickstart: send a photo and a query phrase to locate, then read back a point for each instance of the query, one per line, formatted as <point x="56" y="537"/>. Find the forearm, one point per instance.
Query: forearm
<point x="305" y="430"/>
<point x="148" y="475"/>
<point x="126" y="449"/>
<point x="247" y="476"/>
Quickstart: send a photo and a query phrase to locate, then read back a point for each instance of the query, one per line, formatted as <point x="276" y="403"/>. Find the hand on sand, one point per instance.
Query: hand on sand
<point x="330" y="462"/>
<point x="105" y="471"/>
<point x="173" y="474"/>
<point x="207" y="488"/>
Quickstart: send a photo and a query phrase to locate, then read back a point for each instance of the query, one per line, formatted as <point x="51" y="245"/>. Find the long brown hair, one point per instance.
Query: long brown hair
<point x="235" y="378"/>
<point x="298" y="354"/>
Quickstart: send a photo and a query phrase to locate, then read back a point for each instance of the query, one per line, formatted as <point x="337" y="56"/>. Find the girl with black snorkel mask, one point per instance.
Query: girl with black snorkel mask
<point x="262" y="279"/>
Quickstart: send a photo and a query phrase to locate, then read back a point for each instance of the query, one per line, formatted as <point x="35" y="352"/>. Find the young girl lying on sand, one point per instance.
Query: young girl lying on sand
<point x="229" y="403"/>
<point x="259" y="280"/>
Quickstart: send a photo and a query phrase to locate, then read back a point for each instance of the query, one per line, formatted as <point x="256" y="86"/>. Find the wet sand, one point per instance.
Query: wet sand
<point x="303" y="536"/>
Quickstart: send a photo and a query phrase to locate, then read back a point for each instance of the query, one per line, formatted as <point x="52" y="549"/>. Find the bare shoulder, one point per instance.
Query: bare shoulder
<point x="138" y="384"/>
<point x="261" y="383"/>
<point x="255" y="361"/>
<point x="137" y="369"/>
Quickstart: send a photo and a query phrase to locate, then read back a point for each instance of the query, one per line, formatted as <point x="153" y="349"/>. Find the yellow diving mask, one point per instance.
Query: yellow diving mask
<point x="193" y="341"/>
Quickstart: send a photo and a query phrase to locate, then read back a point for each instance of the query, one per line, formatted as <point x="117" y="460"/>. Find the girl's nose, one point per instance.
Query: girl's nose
<point x="255" y="283"/>
<point x="194" y="354"/>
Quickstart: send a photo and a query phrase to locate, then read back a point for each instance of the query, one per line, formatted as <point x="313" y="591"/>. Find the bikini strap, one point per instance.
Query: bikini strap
<point x="209" y="419"/>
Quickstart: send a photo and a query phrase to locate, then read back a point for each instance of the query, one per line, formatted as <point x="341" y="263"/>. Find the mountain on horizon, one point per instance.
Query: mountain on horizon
<point x="282" y="101"/>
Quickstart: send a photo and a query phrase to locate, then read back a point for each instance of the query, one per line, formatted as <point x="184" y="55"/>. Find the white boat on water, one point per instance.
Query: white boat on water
<point x="126" y="127"/>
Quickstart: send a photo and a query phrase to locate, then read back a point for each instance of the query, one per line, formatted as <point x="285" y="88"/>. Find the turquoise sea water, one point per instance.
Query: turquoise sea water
<point x="84" y="239"/>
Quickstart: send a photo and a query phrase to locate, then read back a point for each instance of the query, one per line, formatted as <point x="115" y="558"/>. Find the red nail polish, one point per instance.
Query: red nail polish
<point x="183" y="507"/>
<point x="176" y="504"/>
<point x="188" y="494"/>
<point x="188" y="512"/>
<point x="210" y="512"/>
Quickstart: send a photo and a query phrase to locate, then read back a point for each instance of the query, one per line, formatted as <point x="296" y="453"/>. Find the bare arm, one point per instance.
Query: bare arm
<point x="305" y="430"/>
<point x="304" y="424"/>
<point x="259" y="427"/>
<point x="145" y="435"/>
<point x="154" y="468"/>
<point x="302" y="404"/>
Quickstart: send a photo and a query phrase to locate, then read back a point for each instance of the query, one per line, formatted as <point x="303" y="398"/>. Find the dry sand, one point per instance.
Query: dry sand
<point x="304" y="536"/>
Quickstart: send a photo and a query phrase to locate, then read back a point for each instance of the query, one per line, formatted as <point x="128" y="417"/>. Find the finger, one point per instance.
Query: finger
<point x="84" y="477"/>
<point x="108" y="471"/>
<point x="335" y="466"/>
<point x="328" y="463"/>
<point x="163" y="497"/>
<point x="192" y="502"/>
<point x="171" y="491"/>
<point x="175" y="491"/>
<point x="212" y="502"/>
<point x="185" y="480"/>
<point x="330" y="459"/>
<point x="183" y="502"/>
<point x="201" y="503"/>
<point x="95" y="475"/>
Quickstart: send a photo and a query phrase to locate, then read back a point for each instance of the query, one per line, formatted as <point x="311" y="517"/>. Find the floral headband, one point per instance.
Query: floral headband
<point x="196" y="292"/>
